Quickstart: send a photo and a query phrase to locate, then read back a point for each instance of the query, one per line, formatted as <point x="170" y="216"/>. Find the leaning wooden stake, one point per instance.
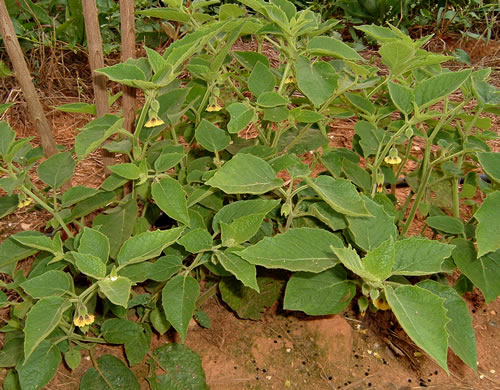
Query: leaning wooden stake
<point x="24" y="79"/>
<point x="128" y="51"/>
<point x="96" y="61"/>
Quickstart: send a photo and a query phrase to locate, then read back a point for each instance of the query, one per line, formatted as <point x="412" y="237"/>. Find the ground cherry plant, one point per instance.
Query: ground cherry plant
<point x="219" y="191"/>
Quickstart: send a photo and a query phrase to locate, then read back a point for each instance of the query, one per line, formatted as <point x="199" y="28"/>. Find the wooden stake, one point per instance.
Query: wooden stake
<point x="128" y="51"/>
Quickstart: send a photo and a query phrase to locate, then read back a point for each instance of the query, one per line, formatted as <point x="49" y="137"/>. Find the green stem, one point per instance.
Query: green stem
<point x="418" y="198"/>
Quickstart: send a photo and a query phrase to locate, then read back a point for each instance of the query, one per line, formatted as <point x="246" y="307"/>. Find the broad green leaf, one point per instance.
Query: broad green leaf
<point x="138" y="272"/>
<point x="155" y="59"/>
<point x="247" y="302"/>
<point x="328" y="292"/>
<point x="397" y="56"/>
<point x="118" y="225"/>
<point x="484" y="271"/>
<point x="95" y="133"/>
<point x="361" y="103"/>
<point x="137" y="349"/>
<point x="127" y="170"/>
<point x="261" y="80"/>
<point x="93" y="242"/>
<point x="50" y="283"/>
<point x="111" y="374"/>
<point x="11" y="380"/>
<point x="12" y="352"/>
<point x="250" y="58"/>
<point x="165" y="13"/>
<point x="123" y="146"/>
<point x="90" y="265"/>
<point x="402" y="97"/>
<point x="165" y="267"/>
<point x="179" y="298"/>
<point x="147" y="245"/>
<point x="77" y="194"/>
<point x="7" y="137"/>
<point x="317" y="81"/>
<point x="73" y="358"/>
<point x="40" y="367"/>
<point x="340" y="195"/>
<point x="420" y="256"/>
<point x="159" y="321"/>
<point x="432" y="90"/>
<point x="359" y="176"/>
<point x="11" y="251"/>
<point x="211" y="137"/>
<point x="128" y="74"/>
<point x="490" y="161"/>
<point x="8" y="204"/>
<point x="241" y="269"/>
<point x="175" y="366"/>
<point x="167" y="160"/>
<point x="116" y="289"/>
<point x="381" y="34"/>
<point x="423" y="317"/>
<point x="241" y="116"/>
<point x="462" y="339"/>
<point x="93" y="203"/>
<point x="369" y="232"/>
<point x="41" y="320"/>
<point x="302" y="249"/>
<point x="287" y="7"/>
<point x="242" y="208"/>
<point x="329" y="46"/>
<point x="56" y="170"/>
<point x="446" y="224"/>
<point x="240" y="230"/>
<point x="306" y="116"/>
<point x="487" y="232"/>
<point x="245" y="173"/>
<point x="229" y="11"/>
<point x="196" y="240"/>
<point x="171" y="199"/>
<point x="41" y="242"/>
<point x="120" y="331"/>
<point x="328" y="216"/>
<point x="81" y="108"/>
<point x="271" y="99"/>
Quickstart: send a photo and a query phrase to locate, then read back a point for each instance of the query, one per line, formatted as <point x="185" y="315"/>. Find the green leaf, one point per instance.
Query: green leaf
<point x="328" y="216"/>
<point x="241" y="116"/>
<point x="77" y="194"/>
<point x="73" y="358"/>
<point x="250" y="58"/>
<point x="245" y="173"/>
<point x="171" y="199"/>
<point x="211" y="137"/>
<point x="329" y="46"/>
<point x="196" y="240"/>
<point x="56" y="170"/>
<point x="11" y="251"/>
<point x="490" y="162"/>
<point x="240" y="230"/>
<point x="95" y="133"/>
<point x="361" y="103"/>
<point x="111" y="374"/>
<point x="420" y="256"/>
<point x="261" y="80"/>
<point x="93" y="242"/>
<point x="423" y="317"/>
<point x="81" y="108"/>
<point x="120" y="331"/>
<point x="167" y="160"/>
<point x="86" y="206"/>
<point x="229" y="11"/>
<point x="179" y="298"/>
<point x="147" y="245"/>
<point x="118" y="225"/>
<point x="446" y="224"/>
<point x="165" y="267"/>
<point x="317" y="81"/>
<point x="175" y="366"/>
<point x="127" y="170"/>
<point x="127" y="74"/>
<point x="484" y="272"/>
<point x="116" y="289"/>
<point x="302" y="249"/>
<point x="462" y="339"/>
<point x="12" y="352"/>
<point x="341" y="195"/>
<point x="241" y="208"/>
<point x="50" y="283"/>
<point x="90" y="265"/>
<point x="137" y="273"/>
<point x="306" y="116"/>
<point x="40" y="367"/>
<point x="319" y="294"/>
<point x="433" y="89"/>
<point x="487" y="232"/>
<point x="397" y="55"/>
<point x="247" y="302"/>
<point x="359" y="176"/>
<point x="370" y="232"/>
<point x="7" y="137"/>
<point x="137" y="349"/>
<point x="271" y="99"/>
<point x="241" y="269"/>
<point x="41" y="242"/>
<point x="402" y="96"/>
<point x="41" y="320"/>
<point x="165" y="13"/>
<point x="8" y="204"/>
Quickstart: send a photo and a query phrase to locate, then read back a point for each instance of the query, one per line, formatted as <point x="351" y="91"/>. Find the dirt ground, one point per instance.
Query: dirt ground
<point x="284" y="349"/>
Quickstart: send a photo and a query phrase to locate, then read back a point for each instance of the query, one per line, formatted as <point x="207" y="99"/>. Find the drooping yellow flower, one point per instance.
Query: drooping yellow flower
<point x="79" y="321"/>
<point x="381" y="304"/>
<point x="88" y="318"/>
<point x="214" y="107"/>
<point x="290" y="80"/>
<point x="380" y="187"/>
<point x="392" y="160"/>
<point x="154" y="121"/>
<point x="24" y="203"/>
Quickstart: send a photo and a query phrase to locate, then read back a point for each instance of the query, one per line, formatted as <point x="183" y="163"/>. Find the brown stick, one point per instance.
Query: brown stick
<point x="128" y="51"/>
<point x="23" y="76"/>
<point x="96" y="60"/>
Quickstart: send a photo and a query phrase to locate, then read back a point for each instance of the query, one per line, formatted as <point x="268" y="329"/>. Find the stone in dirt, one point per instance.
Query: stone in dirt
<point x="333" y="335"/>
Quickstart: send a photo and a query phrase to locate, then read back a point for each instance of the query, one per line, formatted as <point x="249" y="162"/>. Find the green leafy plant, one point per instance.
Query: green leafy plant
<point x="219" y="155"/>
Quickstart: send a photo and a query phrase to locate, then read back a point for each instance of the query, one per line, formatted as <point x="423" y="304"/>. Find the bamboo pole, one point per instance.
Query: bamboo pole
<point x="23" y="77"/>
